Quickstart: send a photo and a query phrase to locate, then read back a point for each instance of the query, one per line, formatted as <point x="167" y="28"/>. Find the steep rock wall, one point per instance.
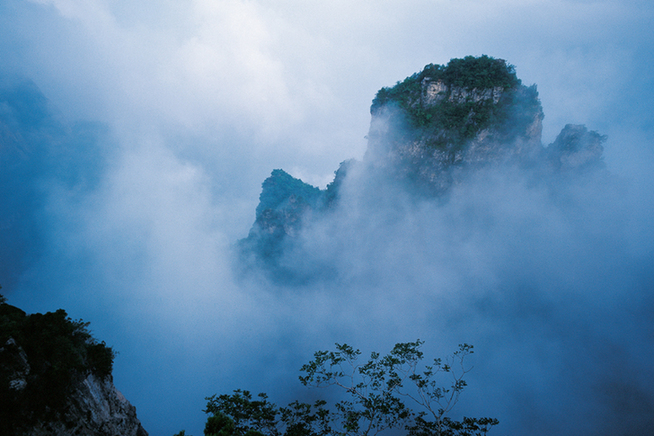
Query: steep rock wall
<point x="434" y="132"/>
<point x="96" y="408"/>
<point x="55" y="379"/>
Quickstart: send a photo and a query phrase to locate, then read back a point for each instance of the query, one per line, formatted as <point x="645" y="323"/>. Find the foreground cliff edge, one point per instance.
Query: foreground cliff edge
<point x="428" y="134"/>
<point x="55" y="379"/>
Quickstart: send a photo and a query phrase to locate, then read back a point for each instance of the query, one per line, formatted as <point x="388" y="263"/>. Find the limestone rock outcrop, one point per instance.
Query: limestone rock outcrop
<point x="55" y="379"/>
<point x="576" y="148"/>
<point x="428" y="134"/>
<point x="95" y="408"/>
<point x="432" y="128"/>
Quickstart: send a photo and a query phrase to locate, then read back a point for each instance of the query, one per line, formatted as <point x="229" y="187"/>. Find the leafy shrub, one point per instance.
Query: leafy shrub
<point x="379" y="392"/>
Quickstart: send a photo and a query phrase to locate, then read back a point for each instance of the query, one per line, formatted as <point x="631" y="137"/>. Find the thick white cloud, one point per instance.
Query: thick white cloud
<point x="276" y="69"/>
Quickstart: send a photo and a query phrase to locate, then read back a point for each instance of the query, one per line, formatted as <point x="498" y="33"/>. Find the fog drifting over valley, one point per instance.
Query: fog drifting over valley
<point x="132" y="182"/>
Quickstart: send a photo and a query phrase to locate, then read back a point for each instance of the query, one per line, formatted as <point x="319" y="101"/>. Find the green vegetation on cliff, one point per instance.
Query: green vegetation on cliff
<point x="280" y="187"/>
<point x="282" y="204"/>
<point x="475" y="92"/>
<point x="42" y="356"/>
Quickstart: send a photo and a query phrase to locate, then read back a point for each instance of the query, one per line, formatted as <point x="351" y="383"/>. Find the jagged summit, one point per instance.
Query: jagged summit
<point x="428" y="133"/>
<point x="473" y="111"/>
<point x="467" y="80"/>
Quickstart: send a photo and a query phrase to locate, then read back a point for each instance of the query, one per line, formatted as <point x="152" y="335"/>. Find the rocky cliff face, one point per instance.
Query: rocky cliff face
<point x="576" y="148"/>
<point x="55" y="380"/>
<point x="433" y="126"/>
<point x="95" y="408"/>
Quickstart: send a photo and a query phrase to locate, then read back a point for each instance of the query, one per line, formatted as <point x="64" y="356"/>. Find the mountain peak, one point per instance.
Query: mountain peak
<point x="427" y="134"/>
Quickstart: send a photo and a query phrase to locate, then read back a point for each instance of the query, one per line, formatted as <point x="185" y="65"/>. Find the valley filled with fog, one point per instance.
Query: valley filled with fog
<point x="134" y="141"/>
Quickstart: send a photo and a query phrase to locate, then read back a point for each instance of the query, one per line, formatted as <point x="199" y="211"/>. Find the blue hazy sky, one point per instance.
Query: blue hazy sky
<point x="147" y="128"/>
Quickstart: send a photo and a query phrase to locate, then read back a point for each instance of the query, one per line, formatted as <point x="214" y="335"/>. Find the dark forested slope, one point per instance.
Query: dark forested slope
<point x="55" y="379"/>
